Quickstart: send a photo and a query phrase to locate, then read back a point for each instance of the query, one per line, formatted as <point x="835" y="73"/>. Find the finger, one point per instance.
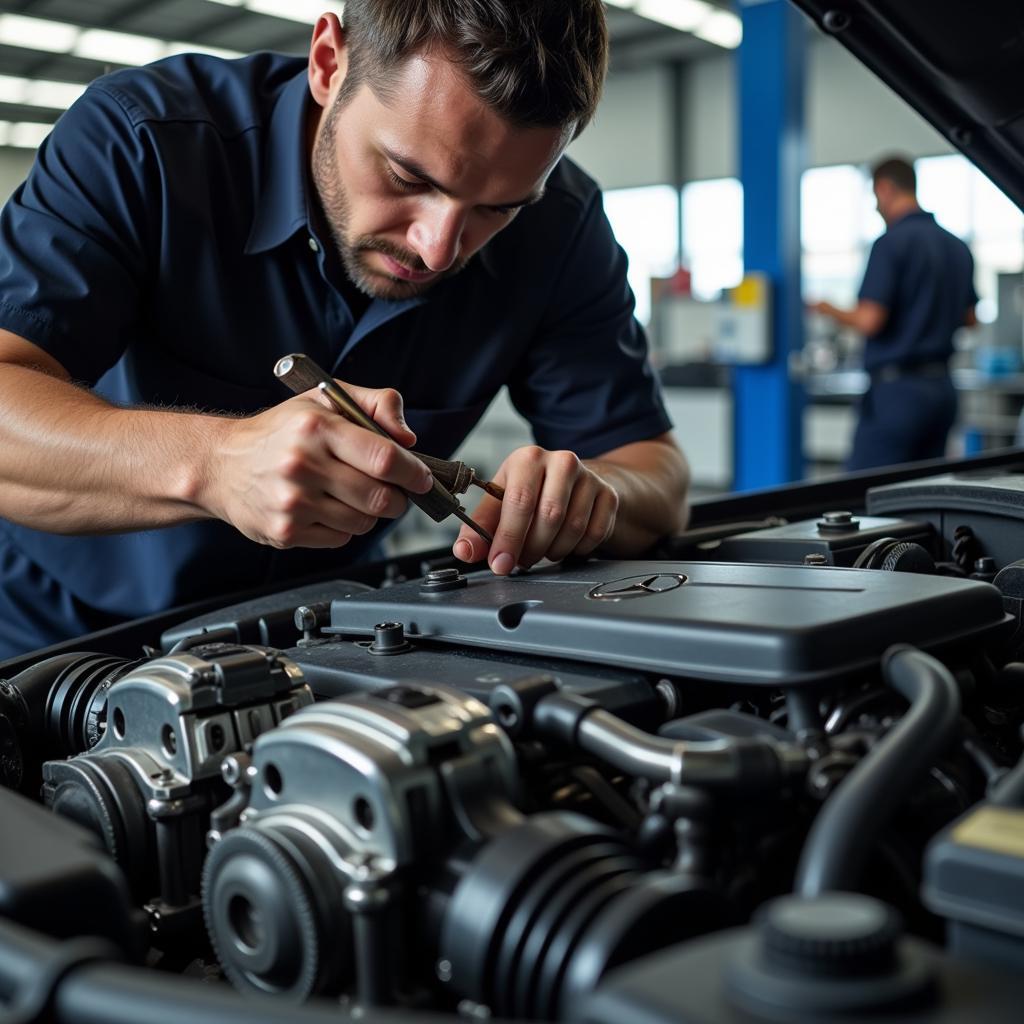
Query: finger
<point x="387" y="409"/>
<point x="316" y="535"/>
<point x="602" y="522"/>
<point x="291" y="530"/>
<point x="377" y="457"/>
<point x="339" y="516"/>
<point x="469" y="545"/>
<point x="562" y="481"/>
<point x="363" y="493"/>
<point x="525" y="476"/>
<point x="577" y="519"/>
<point x="320" y="476"/>
<point x="299" y="502"/>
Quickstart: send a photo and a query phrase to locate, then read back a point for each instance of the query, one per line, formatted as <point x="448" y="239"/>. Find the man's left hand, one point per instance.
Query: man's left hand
<point x="554" y="506"/>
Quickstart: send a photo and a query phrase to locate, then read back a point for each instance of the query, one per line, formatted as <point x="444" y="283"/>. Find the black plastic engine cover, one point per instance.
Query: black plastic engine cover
<point x="340" y="668"/>
<point x="991" y="504"/>
<point x="749" y="624"/>
<point x="792" y="542"/>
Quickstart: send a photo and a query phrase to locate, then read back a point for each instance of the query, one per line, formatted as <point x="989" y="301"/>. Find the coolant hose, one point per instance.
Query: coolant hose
<point x="731" y="764"/>
<point x="74" y="982"/>
<point x="847" y="825"/>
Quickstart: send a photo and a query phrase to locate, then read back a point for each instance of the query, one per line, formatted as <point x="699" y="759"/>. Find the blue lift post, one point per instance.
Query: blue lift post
<point x="768" y="427"/>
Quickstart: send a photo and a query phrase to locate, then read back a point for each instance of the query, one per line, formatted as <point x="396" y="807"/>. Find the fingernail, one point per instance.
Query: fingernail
<point x="428" y="481"/>
<point x="503" y="564"/>
<point x="463" y="549"/>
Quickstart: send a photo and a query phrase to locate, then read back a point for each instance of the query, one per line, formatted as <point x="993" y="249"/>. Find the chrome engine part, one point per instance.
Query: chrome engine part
<point x="541" y="796"/>
<point x="161" y="730"/>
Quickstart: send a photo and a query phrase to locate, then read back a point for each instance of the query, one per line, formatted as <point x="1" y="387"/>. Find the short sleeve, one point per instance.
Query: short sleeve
<point x="585" y="383"/>
<point x="880" y="278"/>
<point x="72" y="239"/>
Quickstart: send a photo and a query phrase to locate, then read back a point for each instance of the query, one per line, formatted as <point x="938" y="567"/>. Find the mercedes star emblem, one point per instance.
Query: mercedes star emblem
<point x="637" y="586"/>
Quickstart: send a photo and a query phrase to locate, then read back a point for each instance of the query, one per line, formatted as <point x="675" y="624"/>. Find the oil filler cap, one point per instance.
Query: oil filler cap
<point x="838" y="953"/>
<point x="836" y="935"/>
<point x="838" y="521"/>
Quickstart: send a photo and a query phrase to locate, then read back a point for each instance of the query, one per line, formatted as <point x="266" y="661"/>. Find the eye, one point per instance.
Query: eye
<point x="503" y="211"/>
<point x="402" y="184"/>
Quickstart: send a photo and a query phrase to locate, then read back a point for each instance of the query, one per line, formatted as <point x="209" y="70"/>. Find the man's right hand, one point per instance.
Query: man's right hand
<point x="301" y="475"/>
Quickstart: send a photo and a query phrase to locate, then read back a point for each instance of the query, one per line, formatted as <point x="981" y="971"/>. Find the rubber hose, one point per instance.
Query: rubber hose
<point x="101" y="992"/>
<point x="841" y="837"/>
<point x="1009" y="790"/>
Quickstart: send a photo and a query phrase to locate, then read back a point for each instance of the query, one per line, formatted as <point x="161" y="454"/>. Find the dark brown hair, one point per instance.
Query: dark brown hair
<point x="537" y="63"/>
<point x="897" y="170"/>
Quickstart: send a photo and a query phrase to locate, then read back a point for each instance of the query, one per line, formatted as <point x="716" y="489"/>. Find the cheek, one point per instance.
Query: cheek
<point x="379" y="215"/>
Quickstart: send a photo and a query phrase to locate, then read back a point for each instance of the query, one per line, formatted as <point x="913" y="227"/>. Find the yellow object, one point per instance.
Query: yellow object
<point x="999" y="829"/>
<point x="751" y="292"/>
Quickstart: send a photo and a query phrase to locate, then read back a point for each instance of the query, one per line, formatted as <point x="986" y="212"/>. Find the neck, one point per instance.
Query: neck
<point x="901" y="206"/>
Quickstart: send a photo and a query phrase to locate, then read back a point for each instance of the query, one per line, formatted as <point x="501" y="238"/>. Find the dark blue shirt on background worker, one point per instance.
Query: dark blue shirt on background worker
<point x="924" y="276"/>
<point x="917" y="290"/>
<point x="189" y="299"/>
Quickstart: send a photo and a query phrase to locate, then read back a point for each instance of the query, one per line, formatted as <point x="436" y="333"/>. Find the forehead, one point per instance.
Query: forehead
<point x="430" y="112"/>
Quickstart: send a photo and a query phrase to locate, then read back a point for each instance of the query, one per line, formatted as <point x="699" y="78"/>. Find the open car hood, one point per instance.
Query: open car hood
<point x="960" y="65"/>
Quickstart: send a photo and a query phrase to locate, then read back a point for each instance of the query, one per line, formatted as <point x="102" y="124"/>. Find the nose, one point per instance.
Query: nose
<point x="436" y="234"/>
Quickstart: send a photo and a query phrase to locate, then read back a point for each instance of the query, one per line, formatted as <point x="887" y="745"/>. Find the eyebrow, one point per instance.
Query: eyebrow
<point x="413" y="168"/>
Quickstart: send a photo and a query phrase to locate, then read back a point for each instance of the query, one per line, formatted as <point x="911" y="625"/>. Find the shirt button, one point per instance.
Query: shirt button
<point x="313" y="244"/>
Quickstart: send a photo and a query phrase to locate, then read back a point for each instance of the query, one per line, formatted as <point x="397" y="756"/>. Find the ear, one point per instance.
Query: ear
<point x="328" y="58"/>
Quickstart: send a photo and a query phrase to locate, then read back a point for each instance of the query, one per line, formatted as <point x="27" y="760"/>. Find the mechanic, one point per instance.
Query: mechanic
<point x="918" y="288"/>
<point x="397" y="207"/>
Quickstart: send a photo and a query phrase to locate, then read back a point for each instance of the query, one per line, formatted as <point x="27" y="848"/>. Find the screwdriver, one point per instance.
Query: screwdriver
<point x="300" y="373"/>
<point x="457" y="477"/>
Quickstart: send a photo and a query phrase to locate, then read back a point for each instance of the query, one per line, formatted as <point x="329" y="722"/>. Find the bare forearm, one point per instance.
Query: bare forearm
<point x="846" y="317"/>
<point x="72" y="463"/>
<point x="651" y="479"/>
<point x="867" y="317"/>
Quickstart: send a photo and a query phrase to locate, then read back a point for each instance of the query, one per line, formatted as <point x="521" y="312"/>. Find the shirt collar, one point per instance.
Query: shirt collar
<point x="282" y="207"/>
<point x="912" y="213"/>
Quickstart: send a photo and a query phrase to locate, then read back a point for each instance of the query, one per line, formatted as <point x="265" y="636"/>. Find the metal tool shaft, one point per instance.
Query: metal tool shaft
<point x="300" y="373"/>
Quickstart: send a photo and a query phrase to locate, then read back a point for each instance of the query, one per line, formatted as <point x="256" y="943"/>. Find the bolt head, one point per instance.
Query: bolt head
<point x="440" y="575"/>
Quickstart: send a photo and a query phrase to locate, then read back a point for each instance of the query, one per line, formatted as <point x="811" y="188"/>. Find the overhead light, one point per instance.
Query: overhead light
<point x="723" y="28"/>
<point x="28" y="134"/>
<point x="23" y="134"/>
<point x="306" y="11"/>
<point x="37" y="33"/>
<point x="684" y="15"/>
<point x="710" y="23"/>
<point x="56" y="95"/>
<point x="97" y="44"/>
<point x="172" y="49"/>
<point x="118" y="47"/>
<point x="33" y="92"/>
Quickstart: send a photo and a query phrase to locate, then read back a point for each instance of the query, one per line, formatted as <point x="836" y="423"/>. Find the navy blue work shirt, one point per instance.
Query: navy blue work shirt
<point x="162" y="250"/>
<point x="924" y="277"/>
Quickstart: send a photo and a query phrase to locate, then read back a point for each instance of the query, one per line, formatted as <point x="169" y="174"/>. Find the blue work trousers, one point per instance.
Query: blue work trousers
<point x="903" y="420"/>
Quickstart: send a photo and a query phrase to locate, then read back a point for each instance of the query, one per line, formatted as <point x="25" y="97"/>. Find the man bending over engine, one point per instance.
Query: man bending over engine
<point x="398" y="207"/>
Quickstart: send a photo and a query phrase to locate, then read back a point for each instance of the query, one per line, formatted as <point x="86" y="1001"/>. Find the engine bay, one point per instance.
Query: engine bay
<point x="772" y="772"/>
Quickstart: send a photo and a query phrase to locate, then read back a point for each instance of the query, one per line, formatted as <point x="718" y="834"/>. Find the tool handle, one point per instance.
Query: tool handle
<point x="300" y="373"/>
<point x="454" y="476"/>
